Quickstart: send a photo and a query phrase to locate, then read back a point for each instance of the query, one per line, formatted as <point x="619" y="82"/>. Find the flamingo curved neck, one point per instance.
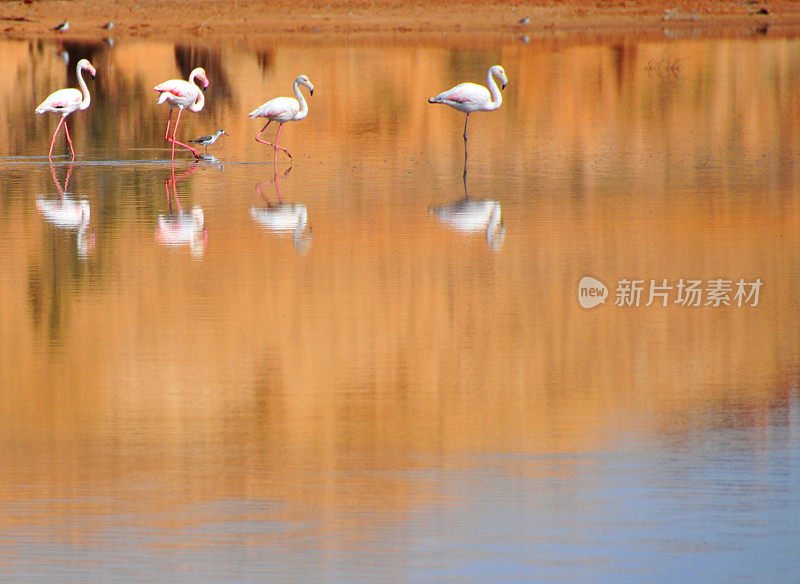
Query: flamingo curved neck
<point x="497" y="96"/>
<point x="200" y="102"/>
<point x="303" y="105"/>
<point x="87" y="99"/>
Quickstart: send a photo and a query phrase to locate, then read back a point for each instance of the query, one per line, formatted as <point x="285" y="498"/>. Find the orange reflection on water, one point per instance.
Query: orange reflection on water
<point x="396" y="342"/>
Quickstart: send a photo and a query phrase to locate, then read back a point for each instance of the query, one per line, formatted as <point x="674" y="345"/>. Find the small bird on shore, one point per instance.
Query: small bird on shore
<point x="108" y="26"/>
<point x="63" y="27"/>
<point x="208" y="140"/>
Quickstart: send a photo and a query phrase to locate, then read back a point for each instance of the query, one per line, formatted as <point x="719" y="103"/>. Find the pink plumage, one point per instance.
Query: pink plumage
<point x="282" y="110"/>
<point x="183" y="95"/>
<point x="471" y="97"/>
<point x="66" y="101"/>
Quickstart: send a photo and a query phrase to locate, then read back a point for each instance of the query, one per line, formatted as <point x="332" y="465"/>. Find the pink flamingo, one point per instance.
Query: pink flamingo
<point x="471" y="97"/>
<point x="66" y="101"/>
<point x="282" y="110"/>
<point x="182" y="94"/>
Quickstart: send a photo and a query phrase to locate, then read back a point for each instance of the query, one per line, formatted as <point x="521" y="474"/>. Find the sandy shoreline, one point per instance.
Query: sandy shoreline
<point x="246" y="18"/>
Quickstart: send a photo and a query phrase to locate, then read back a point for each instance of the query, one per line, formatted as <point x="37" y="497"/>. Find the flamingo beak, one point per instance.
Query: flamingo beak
<point x="311" y="92"/>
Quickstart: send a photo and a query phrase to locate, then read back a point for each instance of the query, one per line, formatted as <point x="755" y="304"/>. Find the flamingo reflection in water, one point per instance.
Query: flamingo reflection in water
<point x="473" y="216"/>
<point x="470" y="215"/>
<point x="68" y="214"/>
<point x="182" y="228"/>
<point x="283" y="218"/>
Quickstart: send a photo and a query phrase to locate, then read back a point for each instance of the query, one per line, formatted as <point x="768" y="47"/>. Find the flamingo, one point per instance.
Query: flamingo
<point x="471" y="97"/>
<point x="182" y="94"/>
<point x="282" y="110"/>
<point x="66" y="101"/>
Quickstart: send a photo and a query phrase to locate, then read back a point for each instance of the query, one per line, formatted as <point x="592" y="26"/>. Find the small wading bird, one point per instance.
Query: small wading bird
<point x="183" y="95"/>
<point x="63" y="27"/>
<point x="282" y="110"/>
<point x="471" y="97"/>
<point x="208" y="140"/>
<point x="66" y="101"/>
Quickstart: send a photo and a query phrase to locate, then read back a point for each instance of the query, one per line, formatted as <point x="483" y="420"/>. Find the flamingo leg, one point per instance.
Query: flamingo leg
<point x="258" y="139"/>
<point x="276" y="181"/>
<point x="69" y="140"/>
<point x="53" y="141"/>
<point x="66" y="179"/>
<point x="280" y="147"/>
<point x="169" y="121"/>
<point x="174" y="141"/>
<point x="173" y="193"/>
<point x="275" y="145"/>
<point x="465" y="155"/>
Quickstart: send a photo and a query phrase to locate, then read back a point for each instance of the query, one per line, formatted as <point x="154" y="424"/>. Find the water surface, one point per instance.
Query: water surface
<point x="228" y="372"/>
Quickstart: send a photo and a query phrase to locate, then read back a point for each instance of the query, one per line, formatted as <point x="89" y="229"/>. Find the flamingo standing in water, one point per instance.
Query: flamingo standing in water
<point x="66" y="101"/>
<point x="282" y="110"/>
<point x="471" y="97"/>
<point x="183" y="95"/>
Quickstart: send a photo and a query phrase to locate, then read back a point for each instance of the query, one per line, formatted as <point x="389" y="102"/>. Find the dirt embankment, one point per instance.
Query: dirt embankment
<point x="243" y="18"/>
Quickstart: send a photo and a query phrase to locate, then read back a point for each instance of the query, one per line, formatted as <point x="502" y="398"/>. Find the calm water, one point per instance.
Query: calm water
<point x="223" y="371"/>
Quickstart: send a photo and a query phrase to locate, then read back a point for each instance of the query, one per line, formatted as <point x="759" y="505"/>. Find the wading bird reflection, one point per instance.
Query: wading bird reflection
<point x="283" y="218"/>
<point x="66" y="101"/>
<point x="179" y="228"/>
<point x="68" y="214"/>
<point x="474" y="216"/>
<point x="183" y="95"/>
<point x="469" y="215"/>
<point x="282" y="110"/>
